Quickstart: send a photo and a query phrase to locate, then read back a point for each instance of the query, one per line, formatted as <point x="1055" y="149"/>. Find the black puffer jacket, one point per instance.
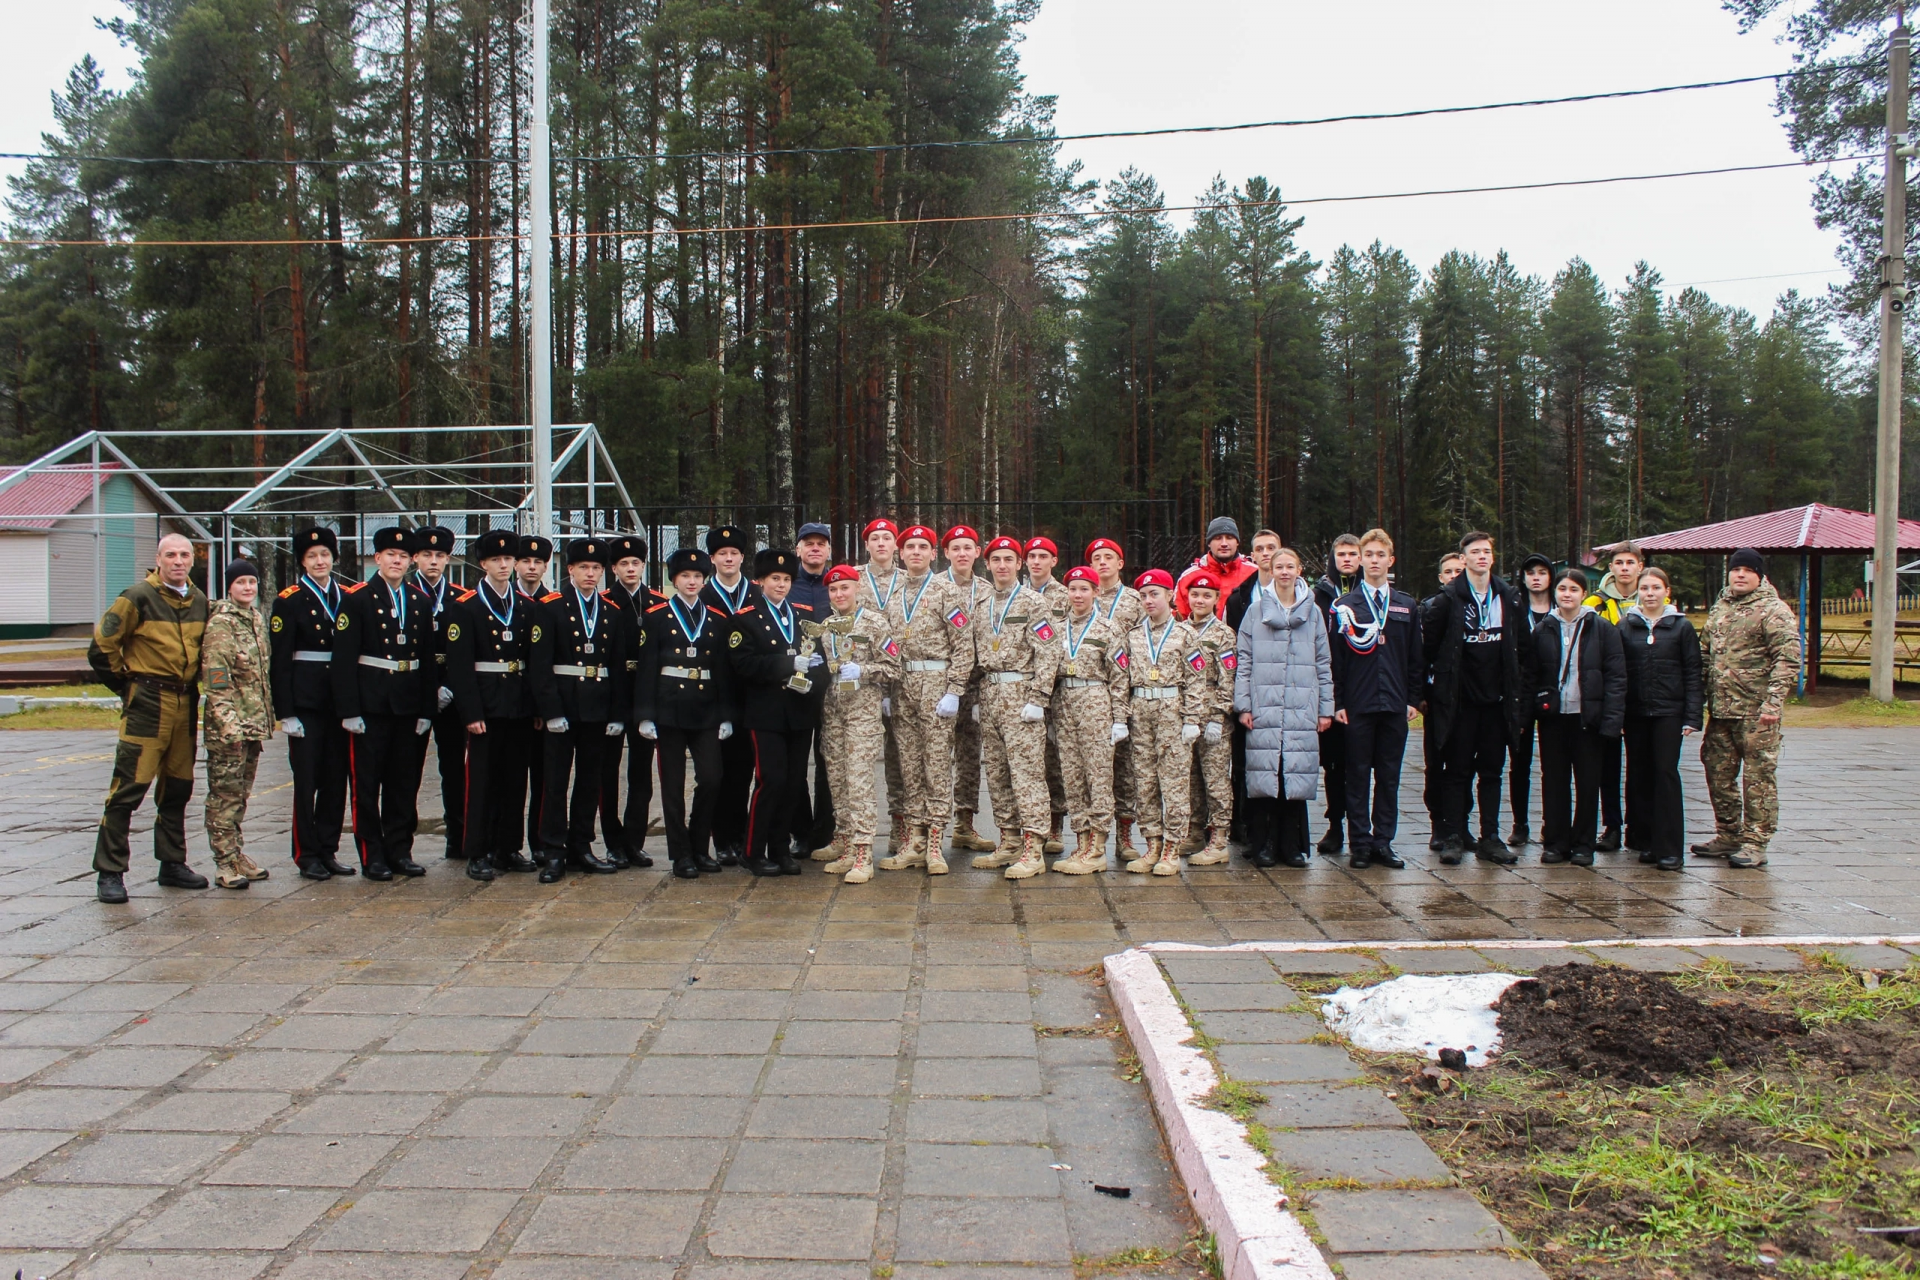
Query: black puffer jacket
<point x="1603" y="672"/>
<point x="1663" y="677"/>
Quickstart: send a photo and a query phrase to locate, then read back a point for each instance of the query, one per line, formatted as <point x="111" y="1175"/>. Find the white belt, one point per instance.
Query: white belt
<point x="1081" y="682"/>
<point x="401" y="665"/>
<point x="1005" y="677"/>
<point x="683" y="673"/>
<point x="928" y="664"/>
<point x="585" y="673"/>
<point x="499" y="668"/>
<point x="312" y="655"/>
<point x="1152" y="693"/>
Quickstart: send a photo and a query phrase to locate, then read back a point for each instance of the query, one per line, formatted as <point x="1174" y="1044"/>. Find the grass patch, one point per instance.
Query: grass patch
<point x="1855" y="713"/>
<point x="63" y="718"/>
<point x="1234" y="1098"/>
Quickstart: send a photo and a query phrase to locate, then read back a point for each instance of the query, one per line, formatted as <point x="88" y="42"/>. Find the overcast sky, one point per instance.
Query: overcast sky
<point x="1128" y="64"/>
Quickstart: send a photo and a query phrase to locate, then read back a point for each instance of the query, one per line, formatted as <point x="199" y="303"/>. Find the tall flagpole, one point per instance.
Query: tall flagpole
<point x="540" y="283"/>
<point x="1893" y="294"/>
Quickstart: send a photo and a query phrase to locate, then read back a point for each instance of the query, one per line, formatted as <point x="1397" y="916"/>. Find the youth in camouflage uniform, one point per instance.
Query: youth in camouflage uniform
<point x="880" y="580"/>
<point x="1213" y="754"/>
<point x="862" y="661"/>
<point x="1752" y="645"/>
<point x="1164" y="666"/>
<point x="1016" y="646"/>
<point x="1042" y="556"/>
<point x="235" y="655"/>
<point x="929" y="618"/>
<point x="962" y="547"/>
<point x="1089" y="716"/>
<point x="146" y="648"/>
<point x="1120" y="608"/>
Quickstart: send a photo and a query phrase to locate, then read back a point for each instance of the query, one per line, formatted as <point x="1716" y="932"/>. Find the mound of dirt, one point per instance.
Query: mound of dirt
<point x="1637" y="1028"/>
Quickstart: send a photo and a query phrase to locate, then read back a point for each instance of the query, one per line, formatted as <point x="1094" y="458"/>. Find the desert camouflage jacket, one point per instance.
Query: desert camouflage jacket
<point x="233" y="675"/>
<point x="1752" y="649"/>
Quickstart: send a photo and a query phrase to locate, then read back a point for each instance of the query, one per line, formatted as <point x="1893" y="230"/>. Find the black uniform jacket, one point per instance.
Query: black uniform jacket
<point x="476" y="634"/>
<point x="368" y="627"/>
<point x="1389" y="676"/>
<point x="762" y="657"/>
<point x="303" y="622"/>
<point x="744" y="594"/>
<point x="633" y="615"/>
<point x="685" y="679"/>
<point x="580" y="659"/>
<point x="440" y="598"/>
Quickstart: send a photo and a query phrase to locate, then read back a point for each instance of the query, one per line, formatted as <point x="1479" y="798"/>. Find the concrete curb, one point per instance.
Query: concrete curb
<point x="1257" y="1237"/>
<point x="1546" y="944"/>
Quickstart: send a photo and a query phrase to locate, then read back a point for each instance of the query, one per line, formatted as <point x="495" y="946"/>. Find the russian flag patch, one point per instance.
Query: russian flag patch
<point x="1043" y="629"/>
<point x="1197" y="660"/>
<point x="892" y="647"/>
<point x="958" y="617"/>
<point x="1120" y="659"/>
<point x="1229" y="660"/>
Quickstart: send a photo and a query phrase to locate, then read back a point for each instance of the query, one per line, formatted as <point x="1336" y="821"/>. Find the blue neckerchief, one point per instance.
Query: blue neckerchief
<point x="784" y="623"/>
<point x="692" y="632"/>
<point x="329" y="599"/>
<point x="590" y="620"/>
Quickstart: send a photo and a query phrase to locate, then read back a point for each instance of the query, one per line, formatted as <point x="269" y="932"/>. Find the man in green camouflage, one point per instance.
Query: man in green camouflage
<point x="1752" y="644"/>
<point x="233" y="667"/>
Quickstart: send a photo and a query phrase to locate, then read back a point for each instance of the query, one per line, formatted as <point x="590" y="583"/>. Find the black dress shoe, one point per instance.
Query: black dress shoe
<point x="1386" y="857"/>
<point x="707" y="863"/>
<point x="1294" y="859"/>
<point x="1263" y="858"/>
<point x="1452" y="850"/>
<point x="477" y="869"/>
<point x="512" y="860"/>
<point x="727" y="857"/>
<point x="1490" y="849"/>
<point x="590" y="862"/>
<point x="1669" y="863"/>
<point x="619" y="858"/>
<point x="1520" y="837"/>
<point x="1330" y="843"/>
<point x="110" y="886"/>
<point x="789" y="865"/>
<point x="335" y="867"/>
<point x="313" y="869"/>
<point x="377" y="871"/>
<point x="762" y="866"/>
<point x="552" y="870"/>
<point x="685" y="869"/>
<point x="1581" y="857"/>
<point x="1436" y="844"/>
<point x="1360" y="859"/>
<point x="1552" y="857"/>
<point x="408" y="867"/>
<point x="178" y="875"/>
<point x="1648" y="856"/>
<point x="638" y="858"/>
<point x="1609" y="841"/>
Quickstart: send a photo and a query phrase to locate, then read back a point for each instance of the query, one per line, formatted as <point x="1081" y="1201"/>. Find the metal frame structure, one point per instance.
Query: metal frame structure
<point x="489" y="482"/>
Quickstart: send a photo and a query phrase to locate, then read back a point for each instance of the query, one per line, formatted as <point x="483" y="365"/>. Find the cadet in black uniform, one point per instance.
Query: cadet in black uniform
<point x="302" y="631"/>
<point x="727" y="592"/>
<point x="530" y="575"/>
<point x="432" y="550"/>
<point x="384" y="680"/>
<point x="581" y="693"/>
<point x="684" y="701"/>
<point x="1379" y="677"/>
<point x="771" y="656"/>
<point x="626" y="835"/>
<point x="489" y="637"/>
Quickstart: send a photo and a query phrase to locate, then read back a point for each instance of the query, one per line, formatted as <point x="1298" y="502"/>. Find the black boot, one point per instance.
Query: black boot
<point x="178" y="875"/>
<point x="1294" y="859"/>
<point x="111" y="886"/>
<point x="1609" y="841"/>
<point x="789" y="864"/>
<point x="590" y="862"/>
<point x="512" y="860"/>
<point x="686" y="869"/>
<point x="314" y="869"/>
<point x="1452" y="850"/>
<point x="1491" y="850"/>
<point x="761" y="866"/>
<point x="1384" y="855"/>
<point x="479" y="868"/>
<point x="377" y="870"/>
<point x="335" y="867"/>
<point x="1648" y="857"/>
<point x="1669" y="863"/>
<point x="1520" y="837"/>
<point x="408" y="867"/>
<point x="1331" y="842"/>
<point x="553" y="868"/>
<point x="707" y="863"/>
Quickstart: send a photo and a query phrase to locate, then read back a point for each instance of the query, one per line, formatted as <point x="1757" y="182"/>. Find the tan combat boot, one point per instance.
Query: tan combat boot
<point x="1004" y="854"/>
<point x="1749" y="857"/>
<point x="1089" y="855"/>
<point x="1720" y="846"/>
<point x="897" y="836"/>
<point x="1031" y="862"/>
<point x="1195" y="841"/>
<point x="228" y="874"/>
<point x="1213" y="852"/>
<point x="1144" y="863"/>
<point x="842" y="853"/>
<point x="249" y="868"/>
<point x="861" y="869"/>
<point x="832" y="851"/>
<point x="1123" y="842"/>
<point x="1054" y="844"/>
<point x="936" y="855"/>
<point x="911" y="854"/>
<point x="965" y="837"/>
<point x="1168" y="863"/>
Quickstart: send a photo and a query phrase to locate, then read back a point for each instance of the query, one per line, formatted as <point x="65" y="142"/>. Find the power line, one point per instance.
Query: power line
<point x="947" y="144"/>
<point x="1081" y="215"/>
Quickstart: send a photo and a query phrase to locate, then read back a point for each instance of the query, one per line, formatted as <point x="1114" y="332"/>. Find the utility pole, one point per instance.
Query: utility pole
<point x="1893" y="299"/>
<point x="540" y="282"/>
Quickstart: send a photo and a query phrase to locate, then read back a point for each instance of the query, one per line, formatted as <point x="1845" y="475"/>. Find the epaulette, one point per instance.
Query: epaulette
<point x="795" y="604"/>
<point x="465" y="596"/>
<point x="611" y="602"/>
<point x="289" y="593"/>
<point x="353" y="587"/>
<point x="550" y="597"/>
<point x="744" y="609"/>
<point x="655" y="608"/>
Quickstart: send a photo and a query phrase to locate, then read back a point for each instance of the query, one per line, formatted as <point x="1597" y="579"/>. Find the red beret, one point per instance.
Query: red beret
<point x="1081" y="573"/>
<point x="1006" y="544"/>
<point x="961" y="531"/>
<point x="1107" y="543"/>
<point x="1042" y="544"/>
<point x="1153" y="578"/>
<point x="842" y="573"/>
<point x="1203" y="581"/>
<point x="873" y="526"/>
<point x="918" y="531"/>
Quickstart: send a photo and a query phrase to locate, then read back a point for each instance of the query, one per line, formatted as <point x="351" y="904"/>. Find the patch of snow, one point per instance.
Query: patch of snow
<point x="1421" y="1013"/>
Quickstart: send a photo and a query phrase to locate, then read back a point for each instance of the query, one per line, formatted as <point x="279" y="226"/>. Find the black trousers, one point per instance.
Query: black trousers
<point x="1520" y="776"/>
<point x="385" y="763"/>
<point x="736" y="781"/>
<point x="626" y="830"/>
<point x="813" y="816"/>
<point x="1278" y="826"/>
<point x="450" y="746"/>
<point x="1376" y="743"/>
<point x="535" y="786"/>
<point x="566" y="823"/>
<point x="687" y="836"/>
<point x="319" y="761"/>
<point x="1476" y="748"/>
<point x="1333" y="764"/>
<point x="1656" y="814"/>
<point x="1610" y="783"/>
<point x="1238" y="830"/>
<point x="1568" y="753"/>
<point x="779" y="787"/>
<point x="497" y="786"/>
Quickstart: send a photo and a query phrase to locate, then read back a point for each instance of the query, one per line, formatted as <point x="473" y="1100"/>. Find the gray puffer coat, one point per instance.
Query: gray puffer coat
<point x="1284" y="676"/>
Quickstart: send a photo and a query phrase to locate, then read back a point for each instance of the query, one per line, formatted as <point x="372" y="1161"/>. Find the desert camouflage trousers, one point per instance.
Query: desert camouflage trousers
<point x="925" y="749"/>
<point x="1740" y="757"/>
<point x="1083" y="721"/>
<point x="1016" y="759"/>
<point x="967" y="753"/>
<point x="1162" y="768"/>
<point x="1212" y="781"/>
<point x="852" y="744"/>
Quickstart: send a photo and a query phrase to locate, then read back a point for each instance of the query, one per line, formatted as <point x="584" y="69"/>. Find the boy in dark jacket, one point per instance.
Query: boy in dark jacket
<point x="772" y="657"/>
<point x="1342" y="576"/>
<point x="1378" y="674"/>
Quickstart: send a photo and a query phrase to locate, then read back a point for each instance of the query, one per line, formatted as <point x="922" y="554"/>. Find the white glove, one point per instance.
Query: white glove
<point x="1189" y="733"/>
<point x="421" y="725"/>
<point x="849" y="671"/>
<point x="1032" y="713"/>
<point x="976" y="713"/>
<point x="726" y="730"/>
<point x="948" y="707"/>
<point x="615" y="729"/>
<point x="886" y="706"/>
<point x="1119" y="734"/>
<point x="558" y="725"/>
<point x="446" y="698"/>
<point x="817" y="660"/>
<point x="354" y="724"/>
<point x="648" y="731"/>
<point x="292" y="727"/>
<point x="1213" y="732"/>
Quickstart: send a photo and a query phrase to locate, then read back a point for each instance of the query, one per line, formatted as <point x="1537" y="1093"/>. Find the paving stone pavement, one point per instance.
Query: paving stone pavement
<point x="637" y="1076"/>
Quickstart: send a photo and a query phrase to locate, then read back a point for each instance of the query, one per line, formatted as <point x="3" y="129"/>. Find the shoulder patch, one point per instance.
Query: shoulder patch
<point x="536" y="633"/>
<point x="1120" y="659"/>
<point x="1197" y="660"/>
<point x="1043" y="629"/>
<point x="288" y="593"/>
<point x="1230" y="659"/>
<point x="453" y="631"/>
<point x="278" y="622"/>
<point x="734" y="640"/>
<point x="341" y="623"/>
